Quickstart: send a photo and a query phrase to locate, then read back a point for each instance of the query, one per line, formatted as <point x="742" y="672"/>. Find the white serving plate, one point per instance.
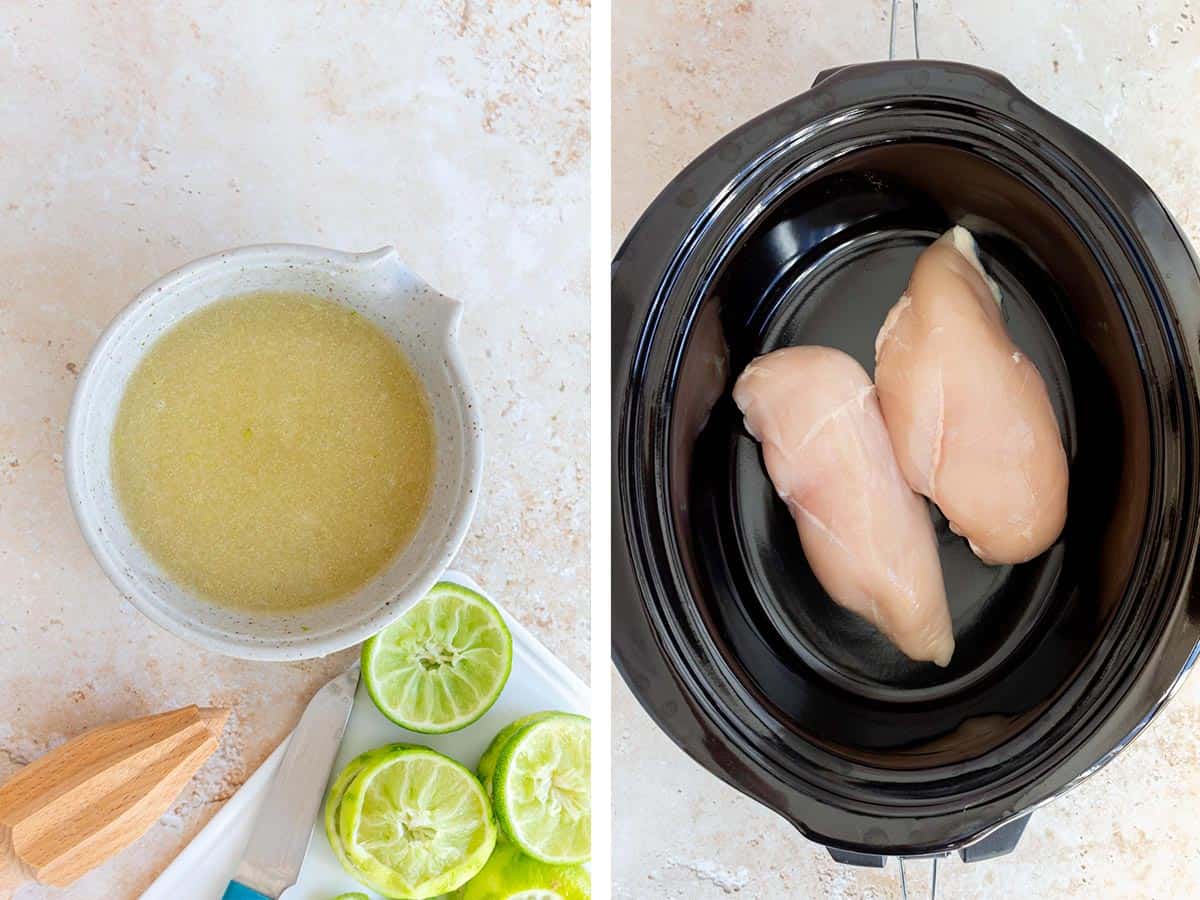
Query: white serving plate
<point x="202" y="871"/>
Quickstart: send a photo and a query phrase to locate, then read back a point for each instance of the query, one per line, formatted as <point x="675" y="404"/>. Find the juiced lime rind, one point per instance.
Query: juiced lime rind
<point x="541" y="789"/>
<point x="511" y="875"/>
<point x="487" y="762"/>
<point x="353" y="895"/>
<point x="431" y="672"/>
<point x="333" y="802"/>
<point x="416" y="822"/>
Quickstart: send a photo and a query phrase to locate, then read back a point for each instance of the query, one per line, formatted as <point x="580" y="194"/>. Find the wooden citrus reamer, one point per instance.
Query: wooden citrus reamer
<point x="73" y="808"/>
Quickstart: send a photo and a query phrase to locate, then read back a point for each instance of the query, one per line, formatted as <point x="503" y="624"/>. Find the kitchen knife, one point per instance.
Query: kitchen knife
<point x="282" y="830"/>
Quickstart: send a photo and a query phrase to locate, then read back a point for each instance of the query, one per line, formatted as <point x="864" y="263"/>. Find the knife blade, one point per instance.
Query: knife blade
<point x="283" y="828"/>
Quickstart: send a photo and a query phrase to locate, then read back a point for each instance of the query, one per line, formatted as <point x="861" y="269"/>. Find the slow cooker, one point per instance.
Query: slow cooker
<point x="800" y="227"/>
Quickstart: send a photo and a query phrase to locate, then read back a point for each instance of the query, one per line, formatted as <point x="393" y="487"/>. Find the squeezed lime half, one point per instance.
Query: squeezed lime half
<point x="415" y="823"/>
<point x="541" y="789"/>
<point x="441" y="665"/>
<point x="511" y="875"/>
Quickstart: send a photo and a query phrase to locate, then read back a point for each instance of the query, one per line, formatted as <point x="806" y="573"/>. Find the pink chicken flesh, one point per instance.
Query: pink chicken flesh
<point x="967" y="411"/>
<point x="867" y="536"/>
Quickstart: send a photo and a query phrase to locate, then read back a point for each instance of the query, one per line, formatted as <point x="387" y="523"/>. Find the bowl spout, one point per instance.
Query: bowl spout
<point x="413" y="297"/>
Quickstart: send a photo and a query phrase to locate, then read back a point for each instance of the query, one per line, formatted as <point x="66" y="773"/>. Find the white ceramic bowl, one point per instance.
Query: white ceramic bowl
<point x="424" y="324"/>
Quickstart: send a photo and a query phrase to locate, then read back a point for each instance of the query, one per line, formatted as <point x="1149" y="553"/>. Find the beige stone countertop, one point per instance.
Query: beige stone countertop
<point x="135" y="137"/>
<point x="688" y="71"/>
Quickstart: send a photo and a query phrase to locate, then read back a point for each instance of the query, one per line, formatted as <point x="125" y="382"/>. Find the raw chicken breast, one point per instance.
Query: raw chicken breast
<point x="967" y="411"/>
<point x="867" y="536"/>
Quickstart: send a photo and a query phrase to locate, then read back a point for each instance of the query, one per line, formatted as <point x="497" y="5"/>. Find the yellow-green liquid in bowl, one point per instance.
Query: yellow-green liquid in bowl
<point x="273" y="452"/>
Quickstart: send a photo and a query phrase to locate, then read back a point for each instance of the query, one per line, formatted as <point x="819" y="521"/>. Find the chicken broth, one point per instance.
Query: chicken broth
<point x="273" y="451"/>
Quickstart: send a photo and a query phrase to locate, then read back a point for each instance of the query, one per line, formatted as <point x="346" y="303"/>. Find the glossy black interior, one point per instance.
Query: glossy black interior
<point x="802" y="227"/>
<point x="823" y="268"/>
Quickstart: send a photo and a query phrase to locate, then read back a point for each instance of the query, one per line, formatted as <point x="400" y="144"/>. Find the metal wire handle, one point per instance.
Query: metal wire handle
<point x="932" y="882"/>
<point x="895" y="21"/>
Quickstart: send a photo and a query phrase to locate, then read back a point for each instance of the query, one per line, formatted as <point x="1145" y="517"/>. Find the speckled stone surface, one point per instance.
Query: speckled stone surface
<point x="686" y="72"/>
<point x="135" y="137"/>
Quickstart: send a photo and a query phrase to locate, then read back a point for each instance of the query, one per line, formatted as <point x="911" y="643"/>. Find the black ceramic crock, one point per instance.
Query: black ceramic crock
<point x="801" y="227"/>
